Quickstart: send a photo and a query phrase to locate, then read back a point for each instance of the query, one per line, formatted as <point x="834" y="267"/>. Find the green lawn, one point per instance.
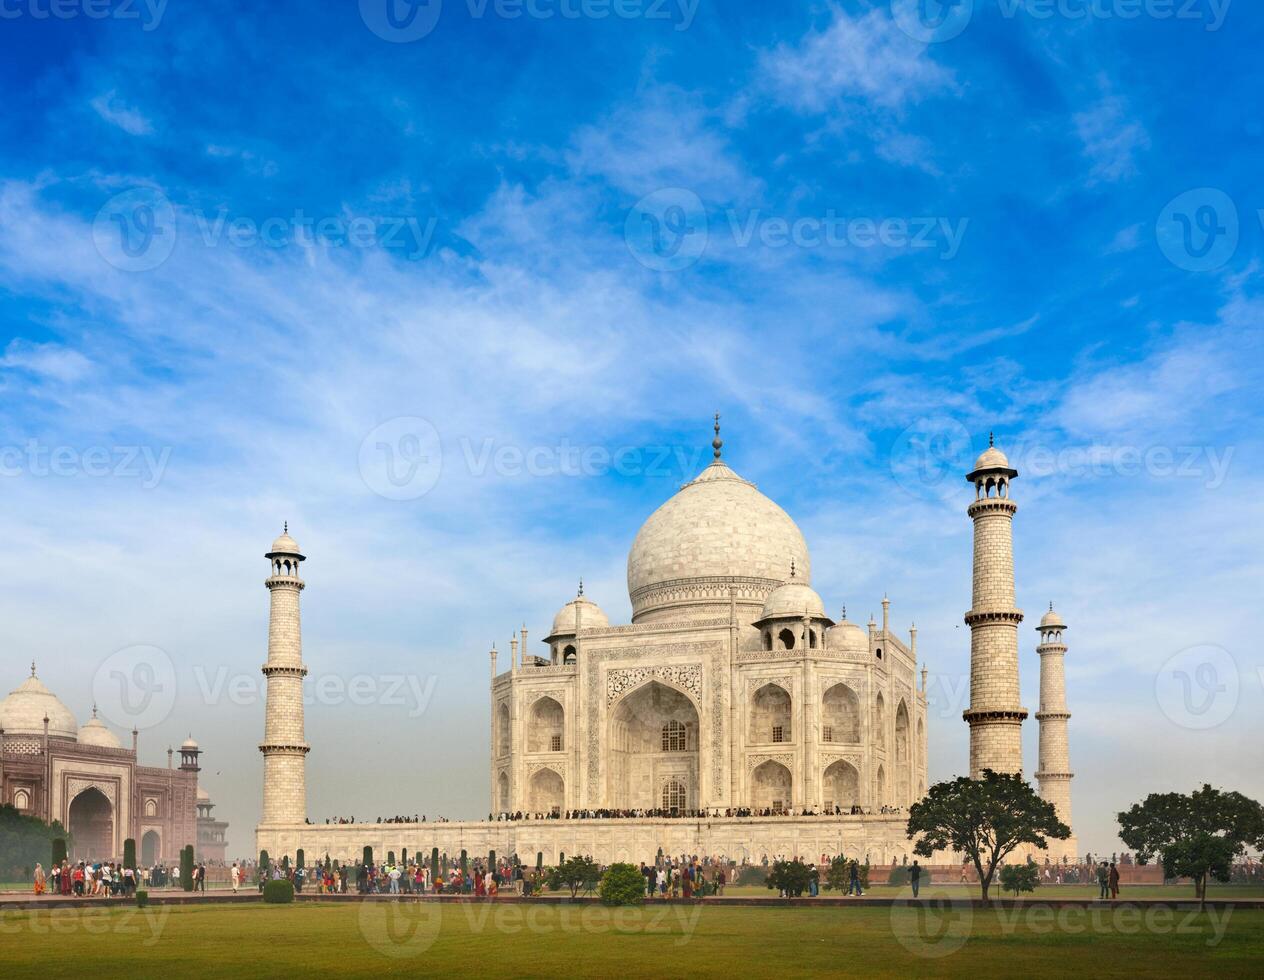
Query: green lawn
<point x="957" y="890"/>
<point x="373" y="938"/>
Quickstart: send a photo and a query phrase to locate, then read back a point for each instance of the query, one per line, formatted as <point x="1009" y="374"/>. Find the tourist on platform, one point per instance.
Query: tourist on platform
<point x="1103" y="879"/>
<point x="853" y="884"/>
<point x="915" y="876"/>
<point x="1112" y="879"/>
<point x="39" y="879"/>
<point x="236" y="877"/>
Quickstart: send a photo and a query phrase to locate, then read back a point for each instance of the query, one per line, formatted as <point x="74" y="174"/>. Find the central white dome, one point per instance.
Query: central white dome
<point x="24" y="710"/>
<point x="715" y="534"/>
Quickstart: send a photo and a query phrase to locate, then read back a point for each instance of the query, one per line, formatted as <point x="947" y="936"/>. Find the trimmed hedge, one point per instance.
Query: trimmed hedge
<point x="278" y="892"/>
<point x="142" y="899"/>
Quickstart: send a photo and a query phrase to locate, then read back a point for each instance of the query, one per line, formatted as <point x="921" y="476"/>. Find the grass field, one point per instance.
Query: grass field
<point x="376" y="938"/>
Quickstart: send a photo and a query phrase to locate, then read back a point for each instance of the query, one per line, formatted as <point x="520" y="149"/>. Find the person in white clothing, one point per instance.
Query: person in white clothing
<point x="236" y="873"/>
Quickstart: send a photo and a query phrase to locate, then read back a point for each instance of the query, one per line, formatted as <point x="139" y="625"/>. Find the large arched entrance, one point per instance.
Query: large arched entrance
<point x="91" y="824"/>
<point x="548" y="792"/>
<point x="654" y="750"/>
<point x="841" y="787"/>
<point x="150" y="848"/>
<point x="771" y="787"/>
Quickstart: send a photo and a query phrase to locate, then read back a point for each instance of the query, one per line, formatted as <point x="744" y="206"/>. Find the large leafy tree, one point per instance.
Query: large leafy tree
<point x="574" y="873"/>
<point x="985" y="819"/>
<point x="25" y="841"/>
<point x="1195" y="835"/>
<point x="790" y="877"/>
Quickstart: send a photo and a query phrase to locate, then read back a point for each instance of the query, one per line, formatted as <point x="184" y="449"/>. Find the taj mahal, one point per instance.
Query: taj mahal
<point x="732" y="716"/>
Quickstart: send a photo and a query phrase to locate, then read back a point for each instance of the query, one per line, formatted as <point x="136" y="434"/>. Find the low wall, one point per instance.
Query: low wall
<point x="880" y="838"/>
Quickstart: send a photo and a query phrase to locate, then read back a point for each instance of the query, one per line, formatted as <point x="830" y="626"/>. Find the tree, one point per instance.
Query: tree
<point x="59" y="850"/>
<point x="300" y="859"/>
<point x="1195" y="835"/>
<point x="263" y="862"/>
<point x="984" y="819"/>
<point x="129" y="853"/>
<point x="622" y="884"/>
<point x="1020" y="877"/>
<point x="789" y="877"/>
<point x="434" y="862"/>
<point x="186" y="867"/>
<point x="575" y="873"/>
<point x="368" y="856"/>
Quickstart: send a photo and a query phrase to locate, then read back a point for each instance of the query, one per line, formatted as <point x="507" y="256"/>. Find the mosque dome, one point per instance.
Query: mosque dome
<point x="203" y="796"/>
<point x="793" y="599"/>
<point x="717" y="533"/>
<point x="580" y="610"/>
<point x="24" y="710"/>
<point x="94" y="732"/>
<point x="188" y="745"/>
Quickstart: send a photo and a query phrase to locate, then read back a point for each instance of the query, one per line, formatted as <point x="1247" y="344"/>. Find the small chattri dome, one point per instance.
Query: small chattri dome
<point x="991" y="460"/>
<point x="1051" y="620"/>
<point x="284" y="545"/>
<point x="847" y="635"/>
<point x="24" y="710"/>
<point x="188" y="745"/>
<point x="203" y="796"/>
<point x="579" y="612"/>
<point x="793" y="600"/>
<point x="94" y="732"/>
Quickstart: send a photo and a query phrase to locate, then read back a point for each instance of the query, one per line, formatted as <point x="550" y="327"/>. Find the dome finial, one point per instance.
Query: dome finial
<point x="32" y="668"/>
<point x="991" y="440"/>
<point x="94" y="709"/>
<point x="792" y="568"/>
<point x="581" y="585"/>
<point x="285" y="527"/>
<point x="717" y="443"/>
<point x="1051" y="605"/>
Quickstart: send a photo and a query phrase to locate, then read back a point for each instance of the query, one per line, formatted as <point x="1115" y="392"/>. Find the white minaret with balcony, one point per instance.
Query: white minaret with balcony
<point x="995" y="715"/>
<point x="284" y="748"/>
<point x="1054" y="772"/>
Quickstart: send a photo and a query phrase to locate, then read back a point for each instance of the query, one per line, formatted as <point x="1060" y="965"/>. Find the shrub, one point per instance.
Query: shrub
<point x="278" y="892"/>
<point x="368" y="857"/>
<point x="263" y="862"/>
<point x="790" y="877"/>
<point x="301" y="858"/>
<point x="129" y="853"/>
<point x="59" y="850"/>
<point x="622" y="884"/>
<point x="142" y="899"/>
<point x="752" y="874"/>
<point x="1020" y="878"/>
<point x="899" y="876"/>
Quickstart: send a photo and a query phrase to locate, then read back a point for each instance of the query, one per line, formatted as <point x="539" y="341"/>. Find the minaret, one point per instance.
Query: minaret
<point x="284" y="749"/>
<point x="1054" y="773"/>
<point x="995" y="716"/>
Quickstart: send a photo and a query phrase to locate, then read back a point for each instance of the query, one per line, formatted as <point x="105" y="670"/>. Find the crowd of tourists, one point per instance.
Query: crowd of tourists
<point x="107" y="879"/>
<point x="679" y="813"/>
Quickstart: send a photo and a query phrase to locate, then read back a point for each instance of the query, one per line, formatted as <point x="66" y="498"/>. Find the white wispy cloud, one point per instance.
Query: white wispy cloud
<point x="113" y="110"/>
<point x="865" y="57"/>
<point x="1111" y="138"/>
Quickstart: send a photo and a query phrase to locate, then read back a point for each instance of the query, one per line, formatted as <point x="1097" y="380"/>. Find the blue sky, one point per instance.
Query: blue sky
<point x="240" y="249"/>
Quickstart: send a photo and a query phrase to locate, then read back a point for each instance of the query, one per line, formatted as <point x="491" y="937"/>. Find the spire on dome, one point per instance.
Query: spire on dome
<point x="717" y="443"/>
<point x="285" y="527"/>
<point x="991" y="440"/>
<point x="581" y="585"/>
<point x="32" y="668"/>
<point x="792" y="568"/>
